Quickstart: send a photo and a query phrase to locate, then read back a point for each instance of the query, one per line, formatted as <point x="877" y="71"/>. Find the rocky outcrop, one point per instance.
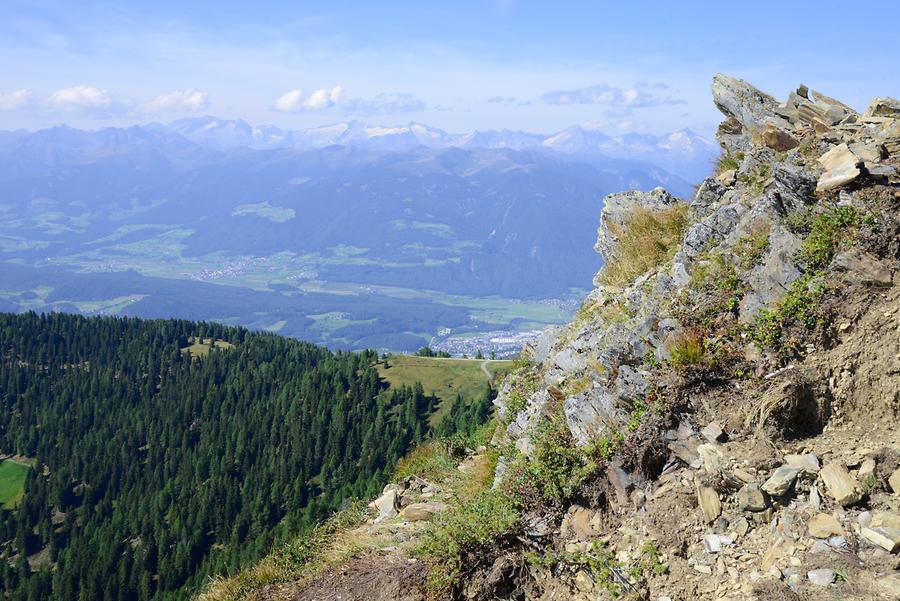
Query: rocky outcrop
<point x="769" y="189"/>
<point x="617" y="207"/>
<point x="695" y="370"/>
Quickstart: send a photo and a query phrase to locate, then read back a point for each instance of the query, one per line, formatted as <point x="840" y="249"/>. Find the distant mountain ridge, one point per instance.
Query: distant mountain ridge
<point x="684" y="152"/>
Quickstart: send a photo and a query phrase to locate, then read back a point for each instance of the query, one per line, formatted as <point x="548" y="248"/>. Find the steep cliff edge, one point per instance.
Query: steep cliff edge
<point x="719" y="421"/>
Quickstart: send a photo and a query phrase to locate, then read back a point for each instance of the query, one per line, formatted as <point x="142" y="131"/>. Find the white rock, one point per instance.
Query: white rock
<point x="823" y="525"/>
<point x="712" y="432"/>
<point x="815" y="501"/>
<point x="894" y="481"/>
<point x="885" y="519"/>
<point x="840" y="484"/>
<point x="886" y="538"/>
<point x="841" y="167"/>
<point x="821" y="577"/>
<point x="387" y="506"/>
<point x="808" y="462"/>
<point x="710" y="505"/>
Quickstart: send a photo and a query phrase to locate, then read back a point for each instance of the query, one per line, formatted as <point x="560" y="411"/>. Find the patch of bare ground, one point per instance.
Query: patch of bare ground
<point x="396" y="577"/>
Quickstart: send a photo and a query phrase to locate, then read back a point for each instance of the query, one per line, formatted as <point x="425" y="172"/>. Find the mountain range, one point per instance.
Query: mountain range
<point x="684" y="152"/>
<point x="350" y="235"/>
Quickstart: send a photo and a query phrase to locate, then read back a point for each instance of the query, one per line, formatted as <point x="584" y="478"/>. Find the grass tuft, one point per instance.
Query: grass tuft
<point x="647" y="239"/>
<point x="729" y="162"/>
<point x="687" y="350"/>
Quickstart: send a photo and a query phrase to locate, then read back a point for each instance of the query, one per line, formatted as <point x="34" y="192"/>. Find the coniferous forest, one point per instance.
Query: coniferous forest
<point x="156" y="468"/>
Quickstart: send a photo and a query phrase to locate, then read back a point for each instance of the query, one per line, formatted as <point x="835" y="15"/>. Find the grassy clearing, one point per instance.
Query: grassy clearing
<point x="200" y="347"/>
<point x="443" y="378"/>
<point x="12" y="482"/>
<point x="646" y="240"/>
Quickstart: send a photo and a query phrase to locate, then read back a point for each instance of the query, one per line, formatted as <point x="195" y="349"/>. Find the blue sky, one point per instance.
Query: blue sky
<point x="535" y="66"/>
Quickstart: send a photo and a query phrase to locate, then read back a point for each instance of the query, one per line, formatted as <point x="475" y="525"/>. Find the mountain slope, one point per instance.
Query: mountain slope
<point x="719" y="419"/>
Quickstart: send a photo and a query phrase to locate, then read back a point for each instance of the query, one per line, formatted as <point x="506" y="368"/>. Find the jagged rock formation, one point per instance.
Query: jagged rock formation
<point x="760" y="200"/>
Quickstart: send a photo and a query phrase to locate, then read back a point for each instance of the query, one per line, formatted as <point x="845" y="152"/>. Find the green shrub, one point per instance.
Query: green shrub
<point x="799" y="307"/>
<point x="599" y="561"/>
<point x="649" y="360"/>
<point x="651" y="559"/>
<point x="462" y="530"/>
<point x="638" y="409"/>
<point x="523" y="382"/>
<point x="826" y="233"/>
<point x="515" y="404"/>
<point x="603" y="448"/>
<point x="647" y="239"/>
<point x="555" y="470"/>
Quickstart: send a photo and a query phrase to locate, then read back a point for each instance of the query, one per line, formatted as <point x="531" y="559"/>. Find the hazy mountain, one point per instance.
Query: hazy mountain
<point x="684" y="152"/>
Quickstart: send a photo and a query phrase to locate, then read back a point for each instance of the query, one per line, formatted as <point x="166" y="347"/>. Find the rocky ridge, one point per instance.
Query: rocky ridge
<point x="751" y="419"/>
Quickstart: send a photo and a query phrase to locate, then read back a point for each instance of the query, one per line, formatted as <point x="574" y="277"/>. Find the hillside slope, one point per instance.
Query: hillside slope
<point x="166" y="452"/>
<point x="719" y="420"/>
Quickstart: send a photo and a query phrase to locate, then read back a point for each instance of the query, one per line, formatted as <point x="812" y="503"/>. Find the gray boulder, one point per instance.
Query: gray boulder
<point x="589" y="414"/>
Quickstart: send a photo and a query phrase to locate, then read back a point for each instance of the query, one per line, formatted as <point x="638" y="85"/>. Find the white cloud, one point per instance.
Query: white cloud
<point x="15" y="100"/>
<point x="83" y="98"/>
<point x="179" y="101"/>
<point x="289" y="102"/>
<point x="636" y="97"/>
<point x="321" y="100"/>
<point x="338" y="100"/>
